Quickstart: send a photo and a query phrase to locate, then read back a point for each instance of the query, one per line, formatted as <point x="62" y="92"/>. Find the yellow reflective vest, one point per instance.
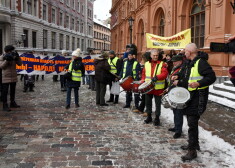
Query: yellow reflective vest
<point x="76" y="75"/>
<point x="195" y="76"/>
<point x="113" y="65"/>
<point x="133" y="69"/>
<point x="160" y="84"/>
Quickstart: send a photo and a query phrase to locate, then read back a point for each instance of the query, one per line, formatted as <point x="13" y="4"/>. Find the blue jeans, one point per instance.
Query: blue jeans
<point x="69" y="89"/>
<point x="178" y="120"/>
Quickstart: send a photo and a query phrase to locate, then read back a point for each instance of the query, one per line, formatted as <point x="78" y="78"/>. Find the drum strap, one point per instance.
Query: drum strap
<point x="156" y="71"/>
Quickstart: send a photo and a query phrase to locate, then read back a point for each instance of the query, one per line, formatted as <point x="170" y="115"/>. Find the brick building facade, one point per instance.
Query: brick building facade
<point x="102" y="36"/>
<point x="209" y="20"/>
<point x="47" y="26"/>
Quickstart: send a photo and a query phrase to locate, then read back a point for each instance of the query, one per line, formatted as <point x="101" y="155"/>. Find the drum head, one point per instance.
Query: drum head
<point x="179" y="95"/>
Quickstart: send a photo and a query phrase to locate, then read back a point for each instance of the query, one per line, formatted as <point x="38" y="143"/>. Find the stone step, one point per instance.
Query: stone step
<point x="228" y="83"/>
<point x="224" y="88"/>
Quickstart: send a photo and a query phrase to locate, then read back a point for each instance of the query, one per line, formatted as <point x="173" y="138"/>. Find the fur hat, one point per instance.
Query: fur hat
<point x="112" y="52"/>
<point x="76" y="52"/>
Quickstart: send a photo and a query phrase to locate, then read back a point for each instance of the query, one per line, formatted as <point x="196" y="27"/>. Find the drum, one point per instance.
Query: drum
<point x="166" y="101"/>
<point x="146" y="87"/>
<point x="135" y="86"/>
<point x="177" y="97"/>
<point x="126" y="83"/>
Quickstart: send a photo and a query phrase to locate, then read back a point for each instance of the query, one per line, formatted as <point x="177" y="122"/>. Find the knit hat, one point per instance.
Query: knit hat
<point x="177" y="58"/>
<point x="76" y="52"/>
<point x="112" y="52"/>
<point x="132" y="52"/>
<point x="232" y="71"/>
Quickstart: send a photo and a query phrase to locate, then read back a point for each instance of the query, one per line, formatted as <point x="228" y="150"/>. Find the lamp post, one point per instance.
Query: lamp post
<point x="104" y="42"/>
<point x="131" y="21"/>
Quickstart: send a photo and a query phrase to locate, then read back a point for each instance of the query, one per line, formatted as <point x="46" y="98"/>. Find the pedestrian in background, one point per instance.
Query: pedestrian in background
<point x="116" y="66"/>
<point x="8" y="62"/>
<point x="62" y="79"/>
<point x="102" y="77"/>
<point x="77" y="69"/>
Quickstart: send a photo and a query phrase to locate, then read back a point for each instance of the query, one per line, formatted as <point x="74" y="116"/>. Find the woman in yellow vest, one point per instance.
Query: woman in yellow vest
<point x="77" y="69"/>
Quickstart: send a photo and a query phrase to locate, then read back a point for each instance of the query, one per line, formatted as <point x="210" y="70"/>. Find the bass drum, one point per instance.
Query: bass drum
<point x="178" y="97"/>
<point x="126" y="83"/>
<point x="146" y="87"/>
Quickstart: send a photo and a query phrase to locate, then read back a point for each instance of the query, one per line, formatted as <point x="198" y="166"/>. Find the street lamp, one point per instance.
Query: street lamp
<point x="22" y="40"/>
<point x="131" y="21"/>
<point x="104" y="42"/>
<point x="233" y="6"/>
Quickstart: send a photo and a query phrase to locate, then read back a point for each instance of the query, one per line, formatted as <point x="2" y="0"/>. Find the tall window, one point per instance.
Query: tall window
<point x="198" y="22"/>
<point x="34" y="39"/>
<point x="67" y="42"/>
<point x="26" y="41"/>
<point x="73" y="43"/>
<point x="78" y="25"/>
<point x="72" y="24"/>
<point x="44" y="12"/>
<point x="78" y="43"/>
<point x="53" y="16"/>
<point x="67" y="21"/>
<point x="5" y="3"/>
<point x="44" y="38"/>
<point x="82" y="27"/>
<point x="35" y="8"/>
<point x="29" y="6"/>
<point x="61" y="41"/>
<point x="161" y="25"/>
<point x="61" y="19"/>
<point x="53" y="40"/>
<point x="82" y="45"/>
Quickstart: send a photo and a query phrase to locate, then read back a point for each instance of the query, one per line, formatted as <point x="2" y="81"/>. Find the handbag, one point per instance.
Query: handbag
<point x="115" y="89"/>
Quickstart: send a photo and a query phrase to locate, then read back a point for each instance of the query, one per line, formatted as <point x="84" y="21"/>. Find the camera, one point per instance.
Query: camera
<point x="11" y="56"/>
<point x="223" y="47"/>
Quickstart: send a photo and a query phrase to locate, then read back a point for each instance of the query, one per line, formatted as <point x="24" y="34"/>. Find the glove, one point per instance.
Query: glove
<point x="154" y="79"/>
<point x="8" y="57"/>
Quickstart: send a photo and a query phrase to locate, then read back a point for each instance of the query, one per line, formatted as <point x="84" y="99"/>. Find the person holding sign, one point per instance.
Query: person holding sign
<point x="155" y="71"/>
<point x="8" y="62"/>
<point x="77" y="70"/>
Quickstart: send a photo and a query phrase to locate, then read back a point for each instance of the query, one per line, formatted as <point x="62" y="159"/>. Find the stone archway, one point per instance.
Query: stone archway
<point x="140" y="35"/>
<point x="184" y="13"/>
<point x="159" y="22"/>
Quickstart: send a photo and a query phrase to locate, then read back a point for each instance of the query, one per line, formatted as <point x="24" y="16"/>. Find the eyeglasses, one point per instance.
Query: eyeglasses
<point x="155" y="55"/>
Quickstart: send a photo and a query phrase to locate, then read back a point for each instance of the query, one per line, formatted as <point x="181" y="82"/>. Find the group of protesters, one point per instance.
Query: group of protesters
<point x="165" y="69"/>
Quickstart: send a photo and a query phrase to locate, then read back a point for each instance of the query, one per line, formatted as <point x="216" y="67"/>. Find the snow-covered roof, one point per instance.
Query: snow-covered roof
<point x="98" y="21"/>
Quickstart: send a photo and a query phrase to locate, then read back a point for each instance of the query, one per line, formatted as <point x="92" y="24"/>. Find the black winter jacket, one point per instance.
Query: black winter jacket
<point x="129" y="69"/>
<point x="102" y="73"/>
<point x="204" y="70"/>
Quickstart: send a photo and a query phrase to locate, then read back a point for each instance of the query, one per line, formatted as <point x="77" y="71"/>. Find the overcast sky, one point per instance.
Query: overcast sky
<point x="101" y="8"/>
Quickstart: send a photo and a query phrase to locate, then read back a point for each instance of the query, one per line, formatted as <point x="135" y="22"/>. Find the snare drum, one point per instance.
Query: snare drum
<point x="126" y="83"/>
<point x="135" y="86"/>
<point x="146" y="87"/>
<point x="178" y="97"/>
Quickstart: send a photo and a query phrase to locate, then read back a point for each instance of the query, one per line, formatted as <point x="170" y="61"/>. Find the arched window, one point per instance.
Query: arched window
<point x="161" y="25"/>
<point x="197" y="18"/>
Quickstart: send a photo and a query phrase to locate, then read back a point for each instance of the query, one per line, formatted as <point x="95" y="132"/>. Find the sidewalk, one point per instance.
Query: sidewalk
<point x="43" y="134"/>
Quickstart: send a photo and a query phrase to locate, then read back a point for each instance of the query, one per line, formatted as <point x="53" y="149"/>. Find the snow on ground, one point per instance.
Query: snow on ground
<point x="211" y="145"/>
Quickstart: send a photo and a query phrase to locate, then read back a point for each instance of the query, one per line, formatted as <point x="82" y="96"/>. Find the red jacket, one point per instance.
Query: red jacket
<point x="162" y="76"/>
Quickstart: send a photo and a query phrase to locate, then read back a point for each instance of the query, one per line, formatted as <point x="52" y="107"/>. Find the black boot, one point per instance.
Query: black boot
<point x="116" y="99"/>
<point x="185" y="147"/>
<point x="14" y="105"/>
<point x="148" y="120"/>
<point x="5" y="107"/>
<point x="192" y="154"/>
<point x="111" y="98"/>
<point x="156" y="122"/>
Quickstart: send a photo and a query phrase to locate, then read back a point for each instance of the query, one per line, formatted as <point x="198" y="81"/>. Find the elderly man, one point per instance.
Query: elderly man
<point x="155" y="70"/>
<point x="196" y="76"/>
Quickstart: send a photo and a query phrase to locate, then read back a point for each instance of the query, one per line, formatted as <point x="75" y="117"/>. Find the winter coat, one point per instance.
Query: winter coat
<point x="76" y="65"/>
<point x="102" y="69"/>
<point x="9" y="74"/>
<point x="129" y="69"/>
<point x="162" y="76"/>
<point x="198" y="98"/>
<point x="233" y="81"/>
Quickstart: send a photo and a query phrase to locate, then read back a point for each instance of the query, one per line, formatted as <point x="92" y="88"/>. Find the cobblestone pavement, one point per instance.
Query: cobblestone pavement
<point x="43" y="134"/>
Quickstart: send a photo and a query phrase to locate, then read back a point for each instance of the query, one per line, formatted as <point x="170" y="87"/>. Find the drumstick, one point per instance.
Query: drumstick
<point x="115" y="75"/>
